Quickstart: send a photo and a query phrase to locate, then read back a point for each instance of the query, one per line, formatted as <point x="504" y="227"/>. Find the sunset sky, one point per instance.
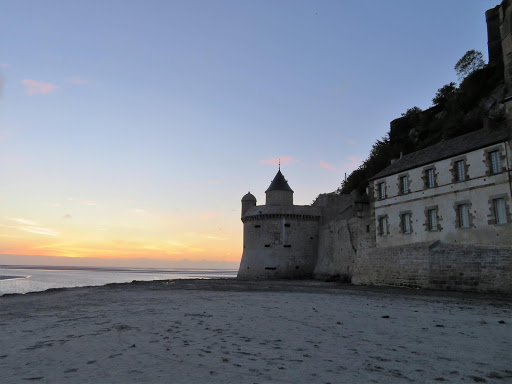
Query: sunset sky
<point x="133" y="128"/>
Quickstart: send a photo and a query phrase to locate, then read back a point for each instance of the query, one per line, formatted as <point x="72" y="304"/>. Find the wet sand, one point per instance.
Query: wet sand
<point x="229" y="331"/>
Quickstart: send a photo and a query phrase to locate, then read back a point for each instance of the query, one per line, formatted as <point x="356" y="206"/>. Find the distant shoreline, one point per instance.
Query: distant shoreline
<point x="12" y="277"/>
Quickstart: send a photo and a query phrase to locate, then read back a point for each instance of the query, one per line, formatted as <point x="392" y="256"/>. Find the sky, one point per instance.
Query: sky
<point x="132" y="129"/>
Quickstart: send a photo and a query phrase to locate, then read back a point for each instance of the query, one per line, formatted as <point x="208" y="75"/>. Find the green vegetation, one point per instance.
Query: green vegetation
<point x="471" y="61"/>
<point x="455" y="111"/>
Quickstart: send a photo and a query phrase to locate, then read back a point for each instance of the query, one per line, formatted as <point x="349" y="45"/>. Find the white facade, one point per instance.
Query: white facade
<point x="468" y="203"/>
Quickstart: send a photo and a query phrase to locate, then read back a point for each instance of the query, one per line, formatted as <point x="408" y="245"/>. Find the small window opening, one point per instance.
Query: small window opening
<point x="495" y="162"/>
<point x="296" y="267"/>
<point x="460" y="170"/>
<point x="500" y="212"/>
<point x="432" y="220"/>
<point x="367" y="228"/>
<point x="287" y="246"/>
<point x="463" y="214"/>
<point x="287" y="225"/>
<point x="267" y="245"/>
<point x="270" y="268"/>
<point x="429" y="173"/>
<point x="404" y="185"/>
<point x="257" y="226"/>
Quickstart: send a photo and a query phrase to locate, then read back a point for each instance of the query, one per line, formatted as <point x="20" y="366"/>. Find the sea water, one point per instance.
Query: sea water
<point x="23" y="279"/>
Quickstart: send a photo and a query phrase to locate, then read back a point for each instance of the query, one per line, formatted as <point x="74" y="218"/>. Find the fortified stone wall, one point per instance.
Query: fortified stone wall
<point x="437" y="266"/>
<point x="339" y="242"/>
<point x="344" y="229"/>
<point x="279" y="243"/>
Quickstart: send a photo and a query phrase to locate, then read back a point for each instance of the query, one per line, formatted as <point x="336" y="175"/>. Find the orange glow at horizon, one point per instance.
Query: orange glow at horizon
<point x="211" y="236"/>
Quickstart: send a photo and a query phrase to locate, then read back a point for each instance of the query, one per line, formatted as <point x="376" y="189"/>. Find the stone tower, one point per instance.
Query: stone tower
<point x="279" y="192"/>
<point x="280" y="239"/>
<point x="248" y="201"/>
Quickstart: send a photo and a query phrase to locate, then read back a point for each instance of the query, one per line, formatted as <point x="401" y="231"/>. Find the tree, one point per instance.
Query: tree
<point x="445" y="93"/>
<point x="414" y="111"/>
<point x="469" y="63"/>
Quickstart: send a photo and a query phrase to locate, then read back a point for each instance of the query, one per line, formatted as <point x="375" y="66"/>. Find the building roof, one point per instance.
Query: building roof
<point x="249" y="197"/>
<point x="446" y="149"/>
<point x="279" y="183"/>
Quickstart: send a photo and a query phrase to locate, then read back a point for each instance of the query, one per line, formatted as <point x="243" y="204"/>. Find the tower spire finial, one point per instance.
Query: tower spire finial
<point x="279" y="163"/>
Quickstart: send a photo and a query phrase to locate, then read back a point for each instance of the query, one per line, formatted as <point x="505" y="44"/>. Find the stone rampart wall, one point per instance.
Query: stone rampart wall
<point x="437" y="266"/>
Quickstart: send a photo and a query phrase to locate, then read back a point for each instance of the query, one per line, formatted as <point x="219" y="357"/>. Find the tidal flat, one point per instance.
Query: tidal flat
<point x="232" y="331"/>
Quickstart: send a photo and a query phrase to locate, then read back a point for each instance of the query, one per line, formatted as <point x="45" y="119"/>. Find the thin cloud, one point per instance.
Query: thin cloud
<point x="40" y="231"/>
<point x="4" y="65"/>
<point x="67" y="216"/>
<point x="138" y="210"/>
<point x="330" y="167"/>
<point x="285" y="160"/>
<point x="24" y="221"/>
<point x="56" y="205"/>
<point x="89" y="203"/>
<point x="352" y="163"/>
<point x="215" y="238"/>
<point x="78" y="80"/>
<point x="349" y="141"/>
<point x="32" y="227"/>
<point x="38" y="87"/>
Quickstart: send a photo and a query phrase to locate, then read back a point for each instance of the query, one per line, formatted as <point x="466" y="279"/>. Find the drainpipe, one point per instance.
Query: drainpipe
<point x="508" y="169"/>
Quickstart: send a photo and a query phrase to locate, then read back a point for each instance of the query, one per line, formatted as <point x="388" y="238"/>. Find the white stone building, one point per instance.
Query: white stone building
<point x="457" y="192"/>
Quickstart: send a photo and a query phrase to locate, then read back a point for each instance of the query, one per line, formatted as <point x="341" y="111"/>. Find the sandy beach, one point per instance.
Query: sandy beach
<point x="229" y="331"/>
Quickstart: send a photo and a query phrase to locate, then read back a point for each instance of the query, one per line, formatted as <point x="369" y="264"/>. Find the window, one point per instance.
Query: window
<point x="382" y="190"/>
<point x="460" y="171"/>
<point x="500" y="212"/>
<point x="287" y="225"/>
<point x="495" y="161"/>
<point x="383" y="225"/>
<point x="463" y="215"/>
<point x="404" y="185"/>
<point x="429" y="178"/>
<point x="432" y="219"/>
<point x="406" y="222"/>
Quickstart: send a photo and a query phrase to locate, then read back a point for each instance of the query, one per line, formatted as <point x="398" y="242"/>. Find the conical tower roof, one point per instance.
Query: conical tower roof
<point x="279" y="183"/>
